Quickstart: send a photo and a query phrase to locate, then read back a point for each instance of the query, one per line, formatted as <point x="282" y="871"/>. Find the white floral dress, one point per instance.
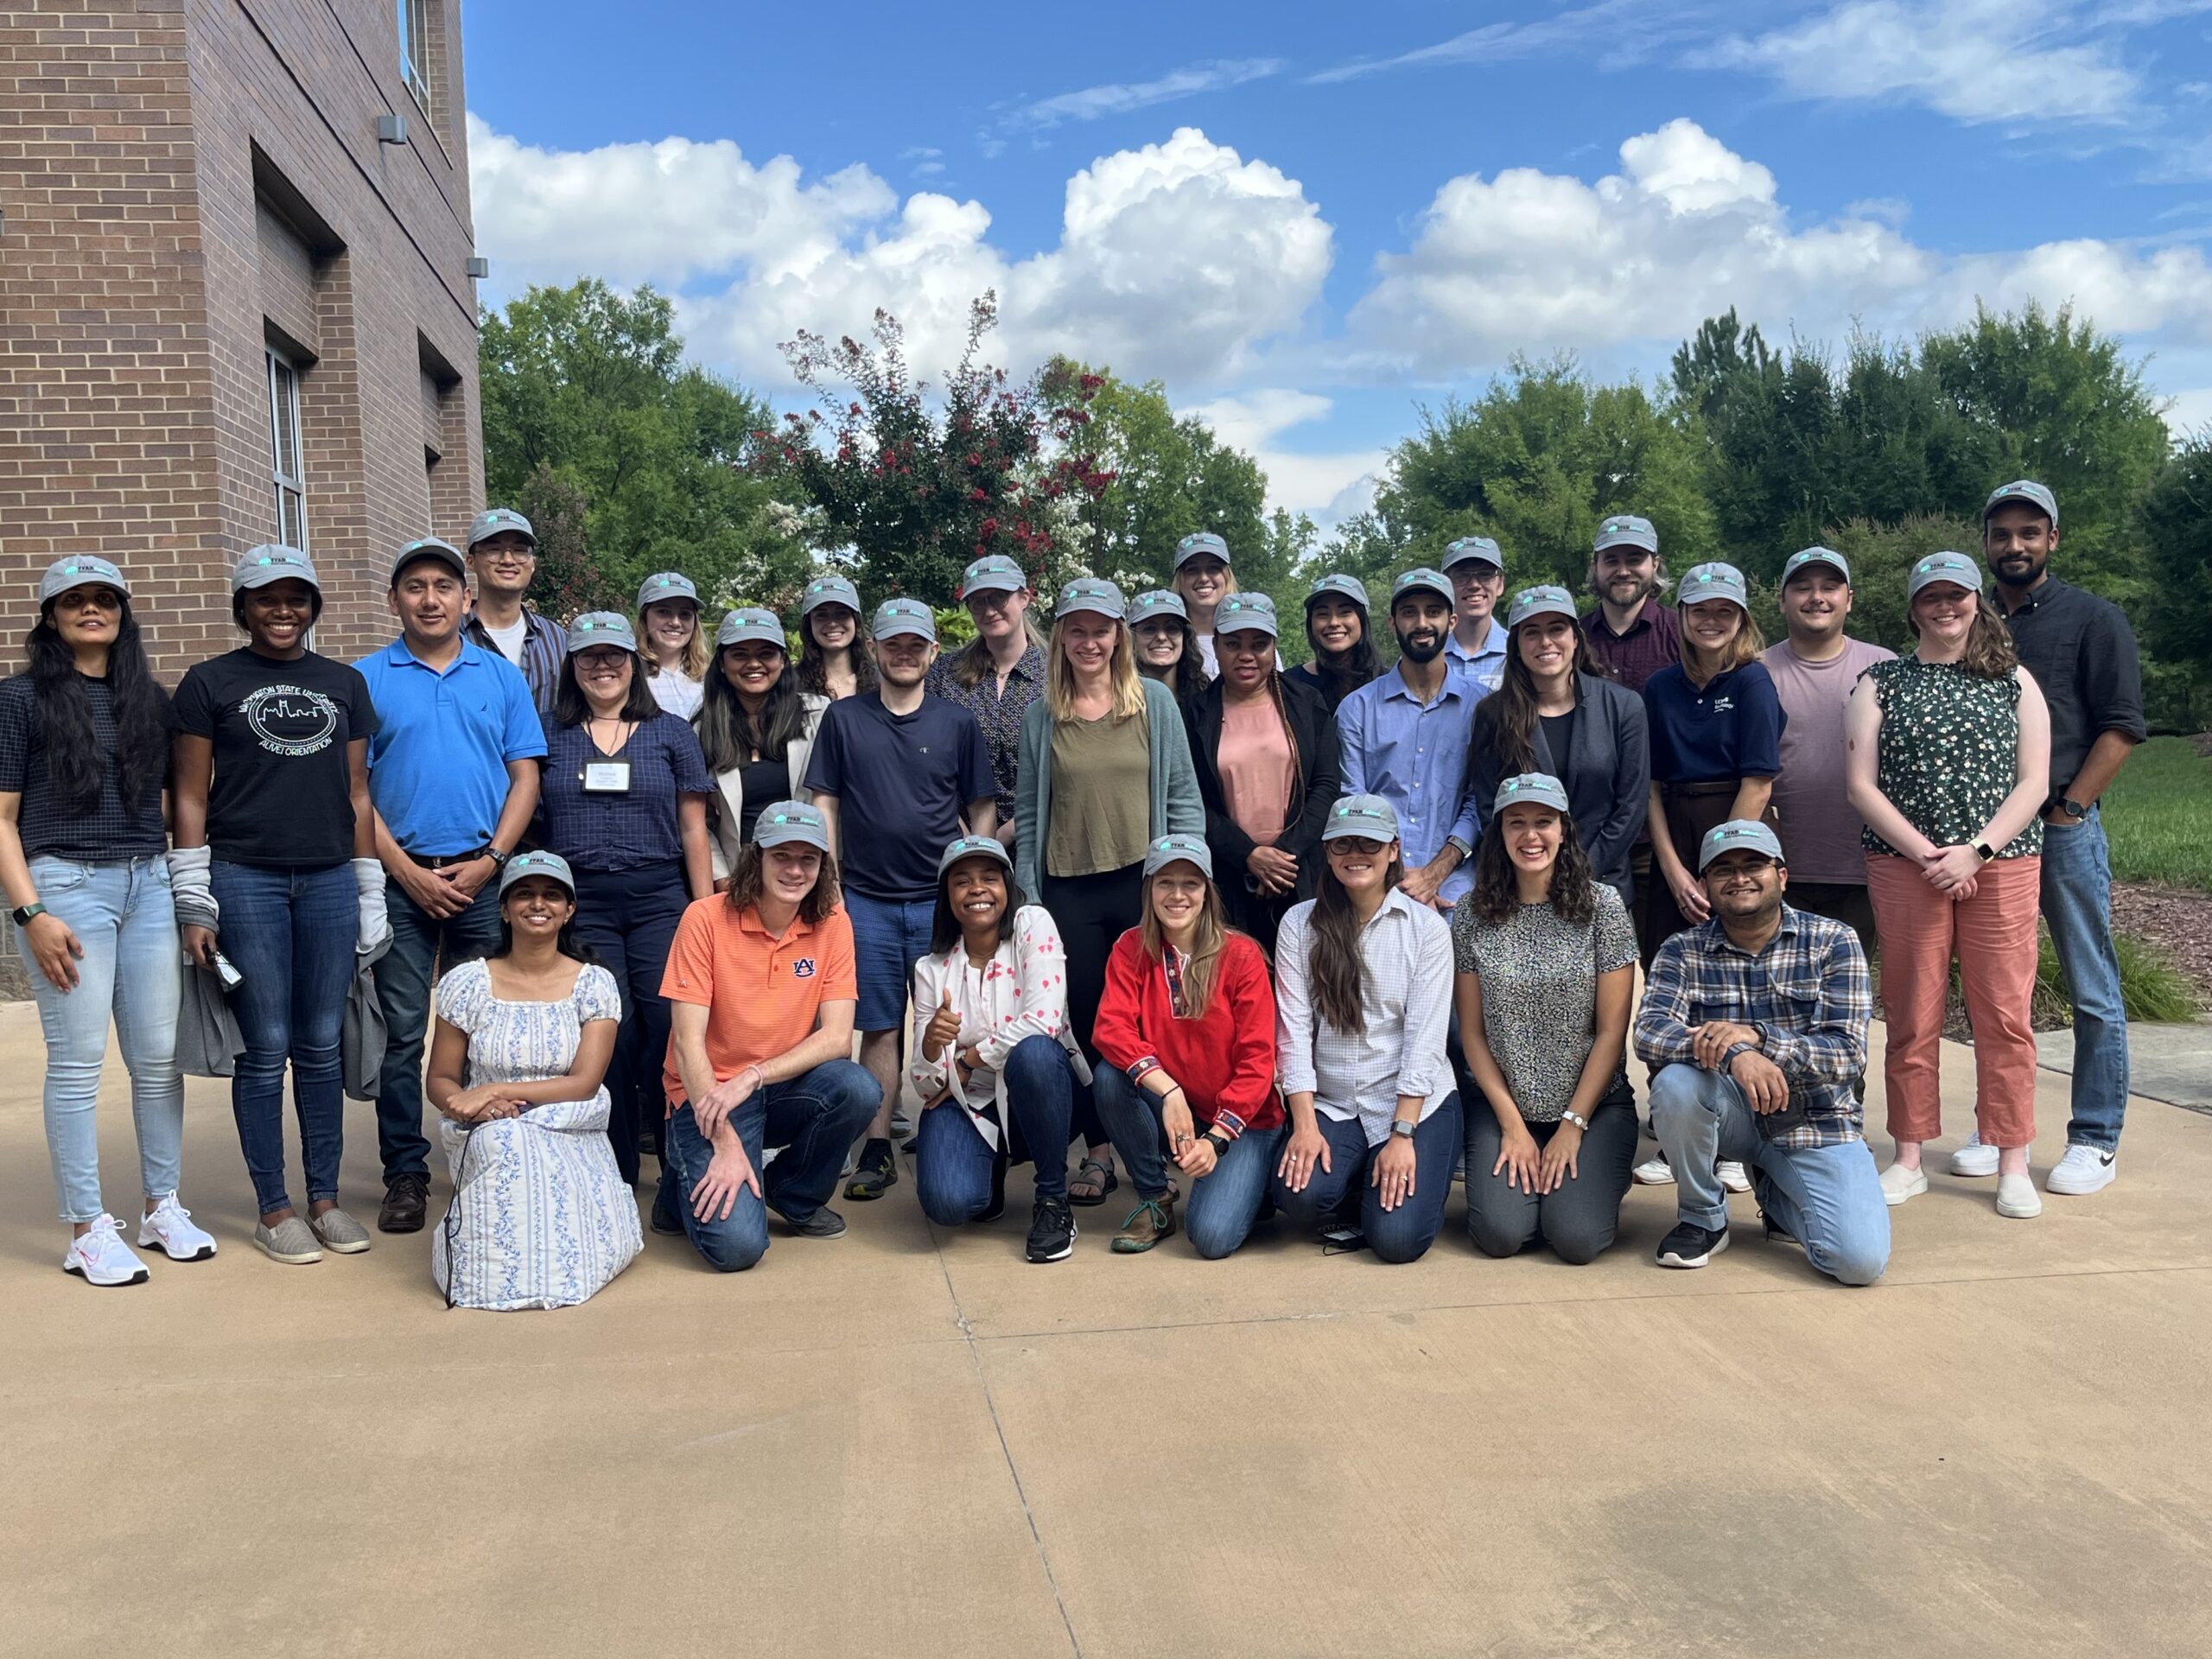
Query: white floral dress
<point x="540" y="1216"/>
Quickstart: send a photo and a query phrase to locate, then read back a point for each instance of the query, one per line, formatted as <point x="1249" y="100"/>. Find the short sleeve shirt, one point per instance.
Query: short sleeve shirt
<point x="115" y="828"/>
<point x="763" y="994"/>
<point x="438" y="763"/>
<point x="1727" y="728"/>
<point x="1812" y="814"/>
<point x="902" y="782"/>
<point x="625" y="828"/>
<point x="1948" y="752"/>
<point x="1539" y="979"/>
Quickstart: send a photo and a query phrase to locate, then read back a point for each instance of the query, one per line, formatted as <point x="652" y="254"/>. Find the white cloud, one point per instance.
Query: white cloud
<point x="1328" y="487"/>
<point x="2190" y="414"/>
<point x="1093" y="102"/>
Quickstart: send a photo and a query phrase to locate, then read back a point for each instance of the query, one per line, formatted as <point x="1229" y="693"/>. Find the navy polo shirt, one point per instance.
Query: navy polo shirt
<point x="1728" y="729"/>
<point x="438" y="764"/>
<point x="902" y="782"/>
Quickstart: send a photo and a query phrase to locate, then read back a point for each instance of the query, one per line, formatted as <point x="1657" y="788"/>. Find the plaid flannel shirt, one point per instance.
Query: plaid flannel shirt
<point x="1807" y="994"/>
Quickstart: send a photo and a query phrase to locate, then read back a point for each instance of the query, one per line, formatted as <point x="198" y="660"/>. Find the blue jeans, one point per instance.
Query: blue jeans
<point x="291" y="934"/>
<point x="628" y="918"/>
<point x="1828" y="1199"/>
<point x="888" y="938"/>
<point x="121" y="914"/>
<point x="2078" y="905"/>
<point x="1222" y="1206"/>
<point x="419" y="942"/>
<point x="954" y="1166"/>
<point x="811" y="1119"/>
<point x="1401" y="1235"/>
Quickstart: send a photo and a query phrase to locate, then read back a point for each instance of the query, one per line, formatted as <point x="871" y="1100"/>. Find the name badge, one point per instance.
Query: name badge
<point x="606" y="777"/>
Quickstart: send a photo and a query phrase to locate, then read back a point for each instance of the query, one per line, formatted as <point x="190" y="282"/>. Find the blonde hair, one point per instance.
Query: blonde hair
<point x="698" y="651"/>
<point x="1121" y="674"/>
<point x="1744" y="648"/>
<point x="1207" y="942"/>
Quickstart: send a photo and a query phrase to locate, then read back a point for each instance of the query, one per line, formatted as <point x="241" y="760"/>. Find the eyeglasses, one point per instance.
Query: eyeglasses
<point x="1358" y="845"/>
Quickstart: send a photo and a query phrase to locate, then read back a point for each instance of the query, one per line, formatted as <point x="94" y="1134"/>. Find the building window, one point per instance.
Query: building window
<point x="415" y="49"/>
<point x="284" y="451"/>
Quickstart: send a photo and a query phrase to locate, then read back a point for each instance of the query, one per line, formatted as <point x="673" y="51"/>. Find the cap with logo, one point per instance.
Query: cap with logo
<point x="1351" y="587"/>
<point x="972" y="847"/>
<point x="666" y="585"/>
<point x="1541" y="602"/>
<point x="602" y="631"/>
<point x="1421" y="579"/>
<point x="2037" y="496"/>
<point x="830" y="590"/>
<point x="1814" y="557"/>
<point x="1179" y="849"/>
<point x="781" y="823"/>
<point x="77" y="570"/>
<point x="549" y="865"/>
<point x="1943" y="566"/>
<point x="1367" y="817"/>
<point x="1156" y="602"/>
<point x="493" y="520"/>
<point x="429" y="547"/>
<point x="1738" y="834"/>
<point x="1531" y="789"/>
<point x="259" y="566"/>
<point x="1473" y="550"/>
<point x="751" y="622"/>
<point x="1203" y="541"/>
<point x="1092" y="593"/>
<point x="1626" y="529"/>
<point x="895" y="617"/>
<point x="993" y="573"/>
<point x="1241" y="611"/>
<point x="1706" y="581"/>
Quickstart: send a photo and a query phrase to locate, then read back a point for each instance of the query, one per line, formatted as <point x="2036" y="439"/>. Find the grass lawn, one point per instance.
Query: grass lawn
<point x="2158" y="816"/>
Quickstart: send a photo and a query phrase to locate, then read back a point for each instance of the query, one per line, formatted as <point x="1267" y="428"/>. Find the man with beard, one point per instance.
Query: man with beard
<point x="1754" y="1025"/>
<point x="2081" y="653"/>
<point x="1631" y="634"/>
<point x="1405" y="738"/>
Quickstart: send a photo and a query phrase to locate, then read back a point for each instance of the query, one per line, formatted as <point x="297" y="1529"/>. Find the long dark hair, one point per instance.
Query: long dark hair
<point x="813" y="663"/>
<point x="1296" y="805"/>
<point x="729" y="737"/>
<point x="1360" y="663"/>
<point x="1573" y="893"/>
<point x="572" y="708"/>
<point x="565" y="942"/>
<point x="1335" y="972"/>
<point x="76" y="766"/>
<point x="1505" y="720"/>
<point x="944" y="926"/>
<point x="1188" y="677"/>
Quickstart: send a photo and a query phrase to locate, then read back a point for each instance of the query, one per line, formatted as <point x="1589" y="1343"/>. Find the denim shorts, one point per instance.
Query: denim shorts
<point x="888" y="938"/>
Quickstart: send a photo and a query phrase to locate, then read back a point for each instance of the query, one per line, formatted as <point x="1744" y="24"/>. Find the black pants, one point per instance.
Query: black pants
<point x="1091" y="912"/>
<point x="628" y="918"/>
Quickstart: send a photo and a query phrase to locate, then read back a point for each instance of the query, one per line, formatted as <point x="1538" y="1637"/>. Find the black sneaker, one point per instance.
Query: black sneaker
<point x="405" y="1199"/>
<point x="664" y="1218"/>
<point x="1051" y="1231"/>
<point x="825" y="1222"/>
<point x="1692" y="1246"/>
<point x="876" y="1173"/>
<point x="997" y="1205"/>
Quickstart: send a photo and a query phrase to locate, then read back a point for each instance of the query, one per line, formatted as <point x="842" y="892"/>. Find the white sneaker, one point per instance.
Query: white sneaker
<point x="2017" y="1198"/>
<point x="1732" y="1175"/>
<point x="170" y="1229"/>
<point x="1974" y="1159"/>
<point x="100" y="1257"/>
<point x="2083" y="1169"/>
<point x="1899" y="1183"/>
<point x="1654" y="1172"/>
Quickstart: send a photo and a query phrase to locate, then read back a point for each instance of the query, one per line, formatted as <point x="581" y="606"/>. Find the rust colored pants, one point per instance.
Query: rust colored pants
<point x="1992" y="936"/>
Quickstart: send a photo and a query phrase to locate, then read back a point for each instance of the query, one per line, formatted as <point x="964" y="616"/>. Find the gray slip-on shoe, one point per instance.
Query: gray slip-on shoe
<point x="340" y="1232"/>
<point x="290" y="1241"/>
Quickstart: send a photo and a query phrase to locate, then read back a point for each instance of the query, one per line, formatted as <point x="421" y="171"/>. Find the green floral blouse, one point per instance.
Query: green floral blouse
<point x="1950" y="753"/>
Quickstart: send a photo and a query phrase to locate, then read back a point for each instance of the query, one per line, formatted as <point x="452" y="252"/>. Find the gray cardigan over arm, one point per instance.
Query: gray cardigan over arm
<point x="1176" y="808"/>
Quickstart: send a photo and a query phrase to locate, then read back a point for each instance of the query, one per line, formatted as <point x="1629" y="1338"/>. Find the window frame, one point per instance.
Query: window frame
<point x="287" y="486"/>
<point x="414" y="17"/>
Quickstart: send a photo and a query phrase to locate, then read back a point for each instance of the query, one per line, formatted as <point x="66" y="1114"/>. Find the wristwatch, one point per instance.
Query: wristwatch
<point x="1568" y="1115"/>
<point x="1218" y="1140"/>
<point x="22" y="914"/>
<point x="498" y="859"/>
<point x="1984" y="850"/>
<point x="2072" y="808"/>
<point x="1401" y="1130"/>
<point x="1460" y="846"/>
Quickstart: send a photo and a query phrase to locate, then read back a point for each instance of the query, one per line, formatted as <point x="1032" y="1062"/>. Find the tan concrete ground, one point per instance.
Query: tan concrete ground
<point x="910" y="1443"/>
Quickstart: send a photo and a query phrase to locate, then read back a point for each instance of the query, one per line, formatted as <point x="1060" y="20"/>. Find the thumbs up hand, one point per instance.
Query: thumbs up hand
<point x="943" y="1028"/>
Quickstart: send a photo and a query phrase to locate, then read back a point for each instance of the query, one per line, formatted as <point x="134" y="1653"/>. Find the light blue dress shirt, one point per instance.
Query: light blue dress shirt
<point x="1414" y="756"/>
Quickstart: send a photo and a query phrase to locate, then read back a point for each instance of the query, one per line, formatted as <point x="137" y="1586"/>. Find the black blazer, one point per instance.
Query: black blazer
<point x="1607" y="772"/>
<point x="1319" y="779"/>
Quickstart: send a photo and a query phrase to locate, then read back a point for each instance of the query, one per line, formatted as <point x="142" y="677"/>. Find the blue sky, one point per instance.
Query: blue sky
<point x="1306" y="222"/>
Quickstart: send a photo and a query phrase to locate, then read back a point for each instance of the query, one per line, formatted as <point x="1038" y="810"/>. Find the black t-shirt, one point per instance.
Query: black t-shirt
<point x="282" y="791"/>
<point x="1559" y="738"/>
<point x="115" y="828"/>
<point x="902" y="782"/>
<point x="760" y="783"/>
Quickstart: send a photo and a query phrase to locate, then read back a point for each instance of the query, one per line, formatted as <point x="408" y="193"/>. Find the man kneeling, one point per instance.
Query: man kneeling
<point x="762" y="986"/>
<point x="1754" y="1026"/>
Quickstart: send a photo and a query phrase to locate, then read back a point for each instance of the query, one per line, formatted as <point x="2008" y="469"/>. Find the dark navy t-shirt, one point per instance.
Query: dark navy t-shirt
<point x="1729" y="729"/>
<point x="901" y="782"/>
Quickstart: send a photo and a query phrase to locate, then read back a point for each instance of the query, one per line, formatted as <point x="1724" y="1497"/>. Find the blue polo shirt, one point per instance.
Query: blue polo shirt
<point x="438" y="765"/>
<point x="1731" y="729"/>
<point x="1483" y="669"/>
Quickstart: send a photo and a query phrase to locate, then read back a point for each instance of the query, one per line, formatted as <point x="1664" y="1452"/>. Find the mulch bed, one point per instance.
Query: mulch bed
<point x="2176" y="922"/>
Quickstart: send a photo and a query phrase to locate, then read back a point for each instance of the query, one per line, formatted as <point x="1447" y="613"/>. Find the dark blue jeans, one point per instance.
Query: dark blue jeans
<point x="628" y="918"/>
<point x="419" y="942"/>
<point x="1222" y="1206"/>
<point x="291" y="934"/>
<point x="953" y="1167"/>
<point x="810" y="1120"/>
<point x="2077" y="907"/>
<point x="1401" y="1235"/>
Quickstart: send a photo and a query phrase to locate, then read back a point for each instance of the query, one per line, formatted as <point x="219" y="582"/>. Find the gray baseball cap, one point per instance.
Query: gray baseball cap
<point x="1422" y="578"/>
<point x="2037" y="496"/>
<point x="666" y="584"/>
<point x="596" y="629"/>
<point x="830" y="590"/>
<point x="1714" y="580"/>
<point x="993" y="573"/>
<point x="493" y="520"/>
<point x="1368" y="816"/>
<point x="1344" y="587"/>
<point x="428" y="547"/>
<point x="537" y="863"/>
<point x="1473" y="550"/>
<point x="1541" y="602"/>
<point x="972" y="847"/>
<point x="1626" y="529"/>
<point x="750" y="622"/>
<point x="1203" y="541"/>
<point x="1943" y="566"/>
<point x="77" y="570"/>
<point x="895" y="617"/>
<point x="783" y="822"/>
<point x="1241" y="611"/>
<point x="1179" y="849"/>
<point x="1539" y="787"/>
<point x="1816" y="556"/>
<point x="259" y="566"/>
<point x="1092" y="593"/>
<point x="1738" y="834"/>
<point x="1158" y="602"/>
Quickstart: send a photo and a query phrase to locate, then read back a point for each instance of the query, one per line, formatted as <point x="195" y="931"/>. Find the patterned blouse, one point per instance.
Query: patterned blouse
<point x="1948" y="752"/>
<point x="999" y="716"/>
<point x="1539" y="976"/>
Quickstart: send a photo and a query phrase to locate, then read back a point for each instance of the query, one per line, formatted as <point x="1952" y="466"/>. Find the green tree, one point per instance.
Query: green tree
<point x="2173" y="524"/>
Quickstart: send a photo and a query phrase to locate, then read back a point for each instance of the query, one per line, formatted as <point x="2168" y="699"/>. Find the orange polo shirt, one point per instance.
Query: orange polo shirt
<point x="762" y="995"/>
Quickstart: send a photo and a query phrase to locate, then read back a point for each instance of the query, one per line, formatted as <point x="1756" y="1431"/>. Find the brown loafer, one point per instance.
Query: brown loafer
<point x="404" y="1201"/>
<point x="1150" y="1222"/>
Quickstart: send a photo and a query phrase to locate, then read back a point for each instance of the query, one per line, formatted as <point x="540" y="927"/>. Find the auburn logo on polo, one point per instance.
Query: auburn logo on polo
<point x="803" y="967"/>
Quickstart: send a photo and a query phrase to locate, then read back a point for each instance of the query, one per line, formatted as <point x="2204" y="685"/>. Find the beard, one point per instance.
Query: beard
<point x="2037" y="564"/>
<point x="1421" y="649"/>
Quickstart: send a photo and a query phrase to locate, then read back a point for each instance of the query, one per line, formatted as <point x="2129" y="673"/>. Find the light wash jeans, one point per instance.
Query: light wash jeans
<point x="2078" y="905"/>
<point x="122" y="915"/>
<point x="1828" y="1199"/>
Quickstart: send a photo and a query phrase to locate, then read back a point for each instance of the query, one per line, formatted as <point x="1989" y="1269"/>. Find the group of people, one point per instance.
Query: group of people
<point x="1258" y="942"/>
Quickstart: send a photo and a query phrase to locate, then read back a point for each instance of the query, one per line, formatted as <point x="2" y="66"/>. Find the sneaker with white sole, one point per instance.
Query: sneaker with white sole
<point x="1732" y="1176"/>
<point x="1654" y="1172"/>
<point x="1973" y="1158"/>
<point x="337" y="1231"/>
<point x="1689" y="1245"/>
<point x="100" y="1256"/>
<point x="2083" y="1169"/>
<point x="169" y="1229"/>
<point x="2017" y="1198"/>
<point x="1899" y="1183"/>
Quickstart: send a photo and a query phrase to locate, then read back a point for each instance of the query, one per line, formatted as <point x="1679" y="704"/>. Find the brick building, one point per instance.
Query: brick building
<point x="235" y="302"/>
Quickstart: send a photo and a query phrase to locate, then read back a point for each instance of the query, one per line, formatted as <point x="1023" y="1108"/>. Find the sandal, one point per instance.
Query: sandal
<point x="1094" y="1180"/>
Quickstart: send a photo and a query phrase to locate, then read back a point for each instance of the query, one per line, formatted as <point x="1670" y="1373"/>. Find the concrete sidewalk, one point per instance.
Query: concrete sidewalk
<point x="907" y="1442"/>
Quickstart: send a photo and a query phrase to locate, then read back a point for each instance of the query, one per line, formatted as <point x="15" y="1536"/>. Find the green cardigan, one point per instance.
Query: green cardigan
<point x="1176" y="808"/>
